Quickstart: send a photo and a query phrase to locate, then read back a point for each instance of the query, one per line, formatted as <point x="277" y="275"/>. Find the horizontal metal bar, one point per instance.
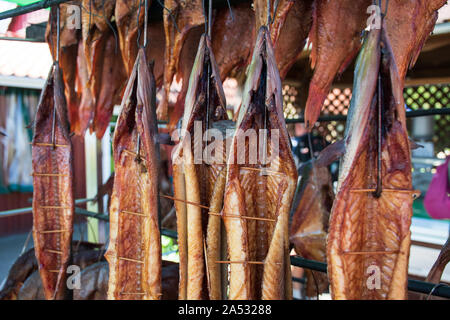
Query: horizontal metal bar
<point x="100" y="216"/>
<point x="21" y="39"/>
<point x="413" y="285"/>
<point x="30" y="8"/>
<point x="14" y="212"/>
<point x="341" y="117"/>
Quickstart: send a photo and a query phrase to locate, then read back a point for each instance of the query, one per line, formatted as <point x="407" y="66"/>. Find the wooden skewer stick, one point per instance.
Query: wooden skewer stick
<point x="54" y="271"/>
<point x="370" y="252"/>
<point x="242" y="217"/>
<point x="40" y="144"/>
<point x="134" y="154"/>
<point x="53" y="207"/>
<point x="135" y="213"/>
<point x="216" y="213"/>
<point x="249" y="262"/>
<point x="52" y="231"/>
<point x="49" y="174"/>
<point x="415" y="193"/>
<point x="131" y="260"/>
<point x="54" y="251"/>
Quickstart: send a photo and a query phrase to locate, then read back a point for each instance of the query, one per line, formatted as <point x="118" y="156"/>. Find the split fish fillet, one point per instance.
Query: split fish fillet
<point x="134" y="252"/>
<point x="200" y="181"/>
<point x="260" y="186"/>
<point x="369" y="237"/>
<point x="111" y="84"/>
<point x="309" y="228"/>
<point x="408" y="25"/>
<point x="187" y="15"/>
<point x="335" y="37"/>
<point x="277" y="18"/>
<point x="53" y="202"/>
<point x="69" y="38"/>
<point x="127" y="14"/>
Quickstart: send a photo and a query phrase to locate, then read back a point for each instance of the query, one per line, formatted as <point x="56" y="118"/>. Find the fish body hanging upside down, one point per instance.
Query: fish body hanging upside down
<point x="260" y="187"/>
<point x="199" y="183"/>
<point x="69" y="38"/>
<point x="134" y="252"/>
<point x="369" y="237"/>
<point x="53" y="202"/>
<point x="309" y="227"/>
<point x="335" y="36"/>
<point x="179" y="18"/>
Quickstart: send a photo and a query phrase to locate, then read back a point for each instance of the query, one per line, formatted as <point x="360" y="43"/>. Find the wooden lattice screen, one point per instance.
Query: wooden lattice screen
<point x="416" y="98"/>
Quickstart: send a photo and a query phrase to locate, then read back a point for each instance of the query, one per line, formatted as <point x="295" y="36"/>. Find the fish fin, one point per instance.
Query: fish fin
<point x="414" y="145"/>
<point x="316" y="97"/>
<point x="330" y="154"/>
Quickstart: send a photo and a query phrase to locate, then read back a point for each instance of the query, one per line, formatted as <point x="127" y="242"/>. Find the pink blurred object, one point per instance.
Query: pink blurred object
<point x="437" y="199"/>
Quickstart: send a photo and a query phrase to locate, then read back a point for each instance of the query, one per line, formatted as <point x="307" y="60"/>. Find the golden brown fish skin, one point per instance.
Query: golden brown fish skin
<point x="53" y="202"/>
<point x="309" y="227"/>
<point x="87" y="104"/>
<point x="369" y="236"/>
<point x="187" y="14"/>
<point x="193" y="181"/>
<point x="408" y="25"/>
<point x="111" y="86"/>
<point x="134" y="253"/>
<point x="69" y="38"/>
<point x="334" y="46"/>
<point x="277" y="20"/>
<point x="262" y="91"/>
<point x="292" y="35"/>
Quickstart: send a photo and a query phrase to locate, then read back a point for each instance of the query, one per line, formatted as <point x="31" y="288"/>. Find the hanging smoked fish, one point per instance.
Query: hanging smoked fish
<point x="260" y="185"/>
<point x="309" y="227"/>
<point x="53" y="203"/>
<point x="369" y="233"/>
<point x="134" y="252"/>
<point x="201" y="181"/>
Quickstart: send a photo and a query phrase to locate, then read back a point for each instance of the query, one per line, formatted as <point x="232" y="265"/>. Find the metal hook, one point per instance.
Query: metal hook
<point x="231" y="10"/>
<point x="268" y="13"/>
<point x="379" y="183"/>
<point x="138" y="39"/>
<point x="170" y="13"/>
<point x="57" y="33"/>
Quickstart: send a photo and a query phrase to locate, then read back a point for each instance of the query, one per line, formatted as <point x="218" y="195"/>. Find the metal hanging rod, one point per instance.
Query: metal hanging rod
<point x="30" y="8"/>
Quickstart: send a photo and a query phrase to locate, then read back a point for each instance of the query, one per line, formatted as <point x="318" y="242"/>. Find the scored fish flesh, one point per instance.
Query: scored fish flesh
<point x="134" y="252"/>
<point x="369" y="236"/>
<point x="260" y="188"/>
<point x="53" y="202"/>
<point x="202" y="182"/>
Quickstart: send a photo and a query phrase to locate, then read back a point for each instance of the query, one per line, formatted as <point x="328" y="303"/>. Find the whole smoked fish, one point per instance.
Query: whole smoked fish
<point x="309" y="227"/>
<point x="134" y="252"/>
<point x="201" y="182"/>
<point x="179" y="18"/>
<point x="334" y="45"/>
<point x="369" y="237"/>
<point x="53" y="202"/>
<point x="260" y="187"/>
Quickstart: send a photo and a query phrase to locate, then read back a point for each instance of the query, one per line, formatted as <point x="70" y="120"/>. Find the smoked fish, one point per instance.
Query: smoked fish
<point x="134" y="252"/>
<point x="69" y="38"/>
<point x="369" y="233"/>
<point x="334" y="45"/>
<point x="260" y="187"/>
<point x="179" y="18"/>
<point x="53" y="201"/>
<point x="199" y="183"/>
<point x="309" y="227"/>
